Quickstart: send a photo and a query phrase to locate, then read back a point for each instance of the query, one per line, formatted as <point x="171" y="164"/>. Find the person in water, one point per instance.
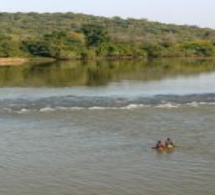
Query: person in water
<point x="159" y="145"/>
<point x="169" y="143"/>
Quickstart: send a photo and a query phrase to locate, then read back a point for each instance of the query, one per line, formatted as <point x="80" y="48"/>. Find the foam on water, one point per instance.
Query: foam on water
<point x="53" y="104"/>
<point x="129" y="107"/>
<point x="24" y="110"/>
<point x="47" y="109"/>
<point x="168" y="105"/>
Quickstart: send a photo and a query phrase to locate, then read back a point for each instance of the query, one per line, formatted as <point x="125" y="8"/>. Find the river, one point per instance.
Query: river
<point x="87" y="128"/>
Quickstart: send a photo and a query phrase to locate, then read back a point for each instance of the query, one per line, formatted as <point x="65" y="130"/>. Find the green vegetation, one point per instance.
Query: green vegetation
<point x="79" y="36"/>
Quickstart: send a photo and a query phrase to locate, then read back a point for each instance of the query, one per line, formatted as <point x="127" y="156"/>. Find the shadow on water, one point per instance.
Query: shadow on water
<point x="100" y="73"/>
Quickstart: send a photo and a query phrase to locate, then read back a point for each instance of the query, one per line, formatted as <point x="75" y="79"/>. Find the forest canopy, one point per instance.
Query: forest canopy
<point x="80" y="36"/>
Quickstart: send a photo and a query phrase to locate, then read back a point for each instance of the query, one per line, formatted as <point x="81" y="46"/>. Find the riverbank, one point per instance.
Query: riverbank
<point x="12" y="61"/>
<point x="16" y="61"/>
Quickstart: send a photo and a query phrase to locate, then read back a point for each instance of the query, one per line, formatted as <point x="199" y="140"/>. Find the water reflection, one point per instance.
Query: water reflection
<point x="98" y="73"/>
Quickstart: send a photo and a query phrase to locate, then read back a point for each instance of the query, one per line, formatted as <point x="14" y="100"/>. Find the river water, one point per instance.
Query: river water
<point x="88" y="128"/>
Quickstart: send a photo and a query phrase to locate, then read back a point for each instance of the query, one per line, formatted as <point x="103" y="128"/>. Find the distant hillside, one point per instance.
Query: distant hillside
<point x="69" y="35"/>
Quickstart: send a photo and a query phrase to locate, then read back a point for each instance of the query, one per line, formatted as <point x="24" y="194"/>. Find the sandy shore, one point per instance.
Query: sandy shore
<point x="20" y="61"/>
<point x="12" y="61"/>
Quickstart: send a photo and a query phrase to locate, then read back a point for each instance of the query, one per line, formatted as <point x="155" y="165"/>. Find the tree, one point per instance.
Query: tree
<point x="95" y="35"/>
<point x="202" y="48"/>
<point x="10" y="48"/>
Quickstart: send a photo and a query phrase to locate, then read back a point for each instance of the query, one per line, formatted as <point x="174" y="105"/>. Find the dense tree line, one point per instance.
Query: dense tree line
<point x="79" y="36"/>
